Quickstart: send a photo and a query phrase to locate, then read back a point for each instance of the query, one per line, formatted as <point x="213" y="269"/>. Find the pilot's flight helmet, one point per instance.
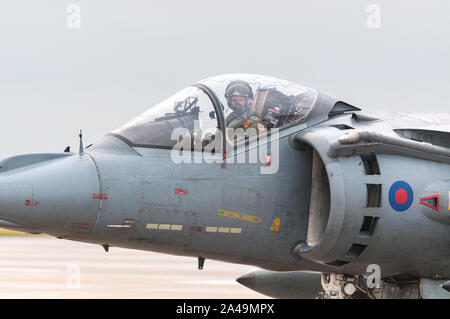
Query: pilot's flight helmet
<point x="238" y="88"/>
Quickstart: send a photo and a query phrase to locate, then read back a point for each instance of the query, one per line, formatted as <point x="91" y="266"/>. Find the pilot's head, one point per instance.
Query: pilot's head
<point x="239" y="95"/>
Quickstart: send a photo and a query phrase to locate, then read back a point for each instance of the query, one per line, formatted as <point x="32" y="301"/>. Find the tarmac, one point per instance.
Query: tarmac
<point x="46" y="267"/>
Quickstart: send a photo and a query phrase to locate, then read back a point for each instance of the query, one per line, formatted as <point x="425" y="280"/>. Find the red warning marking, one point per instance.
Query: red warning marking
<point x="180" y="191"/>
<point x="195" y="228"/>
<point x="425" y="201"/>
<point x="79" y="225"/>
<point x="100" y="196"/>
<point x="267" y="158"/>
<point x="31" y="203"/>
<point x="401" y="196"/>
<point x="431" y="192"/>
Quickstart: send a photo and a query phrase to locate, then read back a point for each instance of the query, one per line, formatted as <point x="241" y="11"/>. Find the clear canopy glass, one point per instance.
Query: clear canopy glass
<point x="243" y="101"/>
<point x="190" y="109"/>
<point x="277" y="103"/>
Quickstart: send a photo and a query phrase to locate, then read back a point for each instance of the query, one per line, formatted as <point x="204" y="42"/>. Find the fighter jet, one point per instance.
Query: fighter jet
<point x="328" y="200"/>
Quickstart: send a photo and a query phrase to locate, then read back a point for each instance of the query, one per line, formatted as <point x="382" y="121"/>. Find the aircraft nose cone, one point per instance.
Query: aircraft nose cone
<point x="57" y="196"/>
<point x="446" y="285"/>
<point x="15" y="201"/>
<point x="247" y="280"/>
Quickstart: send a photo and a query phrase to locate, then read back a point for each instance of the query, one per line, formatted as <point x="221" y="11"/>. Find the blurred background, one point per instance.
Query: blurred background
<point x="95" y="64"/>
<point x="45" y="267"/>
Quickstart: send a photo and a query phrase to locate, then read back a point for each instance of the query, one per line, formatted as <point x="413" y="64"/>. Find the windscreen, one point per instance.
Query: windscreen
<point x="190" y="109"/>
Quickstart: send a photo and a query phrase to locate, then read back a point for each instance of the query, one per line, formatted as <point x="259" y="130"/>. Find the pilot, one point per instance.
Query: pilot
<point x="239" y="97"/>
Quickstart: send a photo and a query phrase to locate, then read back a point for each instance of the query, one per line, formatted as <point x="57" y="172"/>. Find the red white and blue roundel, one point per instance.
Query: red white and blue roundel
<point x="401" y="196"/>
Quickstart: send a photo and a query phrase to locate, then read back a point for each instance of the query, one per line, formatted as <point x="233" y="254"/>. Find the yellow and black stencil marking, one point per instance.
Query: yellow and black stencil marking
<point x="276" y="224"/>
<point x="249" y="218"/>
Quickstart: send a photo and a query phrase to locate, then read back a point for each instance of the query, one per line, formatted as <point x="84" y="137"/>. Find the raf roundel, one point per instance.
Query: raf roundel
<point x="401" y="196"/>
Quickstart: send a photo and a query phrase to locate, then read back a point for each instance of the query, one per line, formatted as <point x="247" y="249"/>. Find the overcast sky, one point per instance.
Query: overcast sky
<point x="129" y="55"/>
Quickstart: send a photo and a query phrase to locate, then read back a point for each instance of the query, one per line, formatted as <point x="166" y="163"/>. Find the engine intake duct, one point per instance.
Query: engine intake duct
<point x="319" y="210"/>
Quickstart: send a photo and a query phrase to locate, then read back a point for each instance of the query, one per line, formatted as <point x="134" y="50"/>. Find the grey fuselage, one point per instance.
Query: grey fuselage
<point x="134" y="197"/>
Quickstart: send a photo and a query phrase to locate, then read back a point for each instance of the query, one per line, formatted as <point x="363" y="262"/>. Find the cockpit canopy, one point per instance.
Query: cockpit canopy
<point x="226" y="101"/>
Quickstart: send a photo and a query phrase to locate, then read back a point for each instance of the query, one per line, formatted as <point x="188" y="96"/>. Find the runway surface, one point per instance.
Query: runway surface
<point x="46" y="267"/>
